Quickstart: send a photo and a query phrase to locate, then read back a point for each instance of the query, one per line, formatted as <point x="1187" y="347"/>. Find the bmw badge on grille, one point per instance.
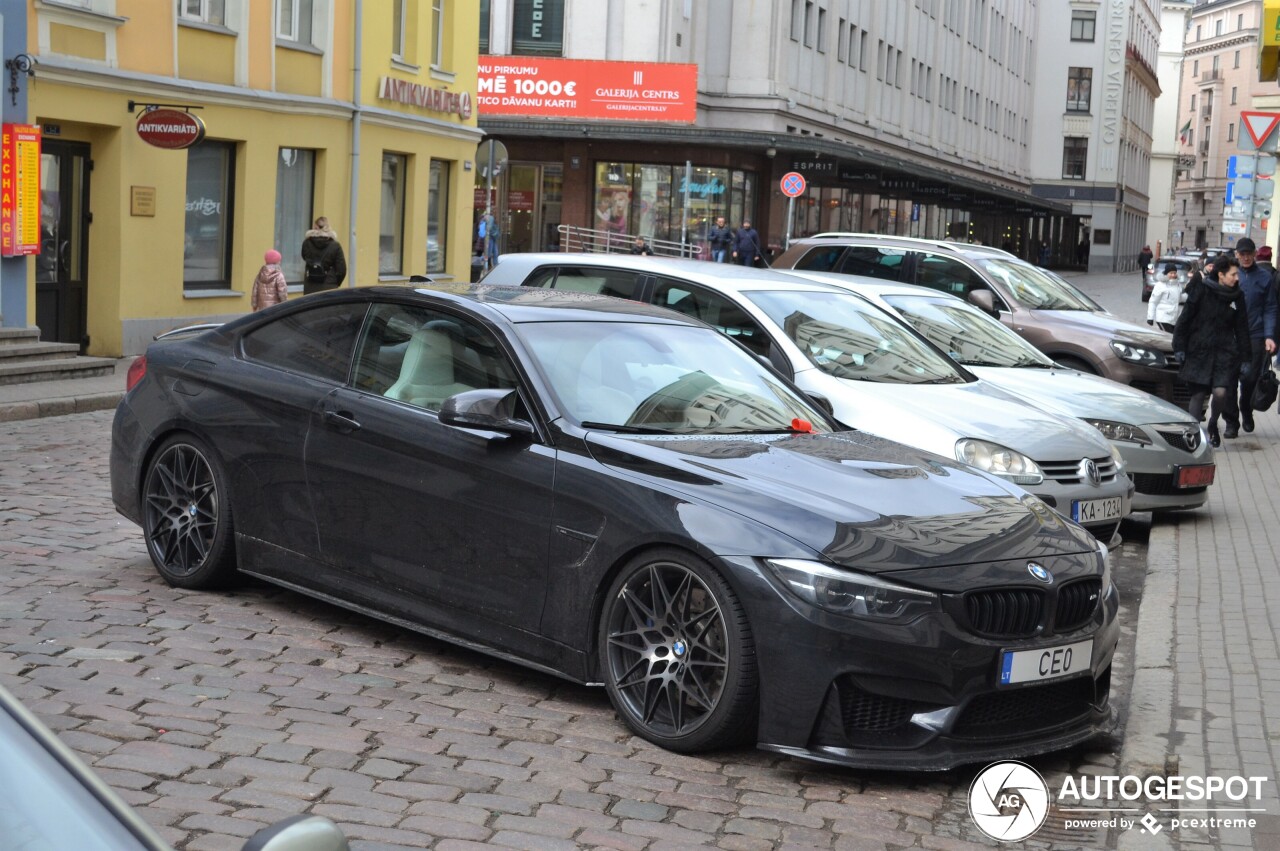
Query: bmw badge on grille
<point x="1040" y="573"/>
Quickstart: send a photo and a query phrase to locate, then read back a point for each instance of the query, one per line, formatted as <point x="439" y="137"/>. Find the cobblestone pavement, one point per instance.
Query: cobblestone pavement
<point x="217" y="713"/>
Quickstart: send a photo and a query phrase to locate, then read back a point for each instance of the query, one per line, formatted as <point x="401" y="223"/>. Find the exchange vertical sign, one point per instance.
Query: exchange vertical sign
<point x="19" y="190"/>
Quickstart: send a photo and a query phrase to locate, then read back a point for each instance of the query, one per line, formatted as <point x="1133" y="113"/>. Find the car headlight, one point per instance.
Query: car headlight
<point x="1117" y="457"/>
<point x="999" y="460"/>
<point x="1120" y="431"/>
<point x="1138" y="354"/>
<point x="846" y="592"/>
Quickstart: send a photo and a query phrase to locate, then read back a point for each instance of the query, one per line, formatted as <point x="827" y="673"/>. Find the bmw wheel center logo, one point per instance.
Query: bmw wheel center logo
<point x="678" y="648"/>
<point x="1039" y="572"/>
<point x="1009" y="801"/>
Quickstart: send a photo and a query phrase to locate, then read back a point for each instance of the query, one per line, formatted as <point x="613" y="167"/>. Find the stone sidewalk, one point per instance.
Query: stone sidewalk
<point x="56" y="398"/>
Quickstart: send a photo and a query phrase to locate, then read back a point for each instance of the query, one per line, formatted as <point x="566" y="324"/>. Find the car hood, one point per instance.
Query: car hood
<point x="935" y="416"/>
<point x="1101" y="324"/>
<point x="857" y="499"/>
<point x="1078" y="394"/>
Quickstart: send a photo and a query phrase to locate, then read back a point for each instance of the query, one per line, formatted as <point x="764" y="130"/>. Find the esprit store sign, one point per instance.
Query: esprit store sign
<point x="416" y="94"/>
<point x="584" y="88"/>
<point x="170" y="129"/>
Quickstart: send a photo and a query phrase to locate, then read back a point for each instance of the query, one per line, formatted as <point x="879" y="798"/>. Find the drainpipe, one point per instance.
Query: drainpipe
<point x="353" y="263"/>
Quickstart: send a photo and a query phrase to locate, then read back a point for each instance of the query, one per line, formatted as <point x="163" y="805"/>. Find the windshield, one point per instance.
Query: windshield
<point x="855" y="340"/>
<point x="966" y="333"/>
<point x="1036" y="288"/>
<point x="662" y="379"/>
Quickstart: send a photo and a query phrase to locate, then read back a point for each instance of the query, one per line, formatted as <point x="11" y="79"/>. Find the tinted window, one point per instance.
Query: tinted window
<point x="947" y="274"/>
<point x="713" y="309"/>
<point x="315" y="342"/>
<point x="888" y="264"/>
<point x="1036" y="288"/>
<point x="423" y="357"/>
<point x="966" y="333"/>
<point x="823" y="259"/>
<point x="614" y="282"/>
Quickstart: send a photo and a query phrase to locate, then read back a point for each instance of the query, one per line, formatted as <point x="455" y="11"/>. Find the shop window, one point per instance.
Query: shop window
<point x="537" y="28"/>
<point x="203" y="11"/>
<point x="437" y="215"/>
<point x="1079" y="89"/>
<point x="1075" y="153"/>
<point x="207" y="238"/>
<point x="293" y="20"/>
<point x="391" y="219"/>
<point x="295" y="188"/>
<point x="650" y="200"/>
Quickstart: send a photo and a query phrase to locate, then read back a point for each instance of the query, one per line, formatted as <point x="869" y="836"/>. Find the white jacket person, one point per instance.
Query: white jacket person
<point x="1167" y="296"/>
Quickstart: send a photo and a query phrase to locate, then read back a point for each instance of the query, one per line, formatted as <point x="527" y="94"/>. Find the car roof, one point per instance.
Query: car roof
<point x="836" y="237"/>
<point x="726" y="276"/>
<point x="874" y="286"/>
<point x="525" y="304"/>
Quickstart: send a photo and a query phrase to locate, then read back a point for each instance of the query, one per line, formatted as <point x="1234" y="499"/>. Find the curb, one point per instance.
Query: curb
<point x="1146" y="750"/>
<point x="37" y="408"/>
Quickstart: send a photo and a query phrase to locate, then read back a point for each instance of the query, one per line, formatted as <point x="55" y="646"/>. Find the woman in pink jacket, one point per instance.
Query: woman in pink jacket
<point x="269" y="287"/>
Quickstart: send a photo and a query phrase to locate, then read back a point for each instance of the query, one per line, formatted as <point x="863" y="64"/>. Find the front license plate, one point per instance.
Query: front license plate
<point x="1047" y="663"/>
<point x="1097" y="510"/>
<point x="1198" y="476"/>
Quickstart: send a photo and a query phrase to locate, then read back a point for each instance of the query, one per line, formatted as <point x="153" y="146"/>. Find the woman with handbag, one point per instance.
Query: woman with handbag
<point x="1212" y="336"/>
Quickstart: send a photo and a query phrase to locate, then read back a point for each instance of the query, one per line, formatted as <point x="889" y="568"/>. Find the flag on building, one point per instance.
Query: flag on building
<point x="1185" y="132"/>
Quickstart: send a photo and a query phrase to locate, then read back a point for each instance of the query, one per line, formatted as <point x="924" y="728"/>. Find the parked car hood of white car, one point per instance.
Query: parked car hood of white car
<point x="1079" y="394"/>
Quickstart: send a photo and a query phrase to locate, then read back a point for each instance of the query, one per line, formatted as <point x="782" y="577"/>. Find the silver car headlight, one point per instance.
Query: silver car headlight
<point x="846" y="592"/>
<point x="1138" y="354"/>
<point x="1120" y="431"/>
<point x="999" y="460"/>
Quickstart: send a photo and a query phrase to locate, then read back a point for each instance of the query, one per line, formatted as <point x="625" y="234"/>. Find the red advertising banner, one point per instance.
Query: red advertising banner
<point x="583" y="88"/>
<point x="19" y="190"/>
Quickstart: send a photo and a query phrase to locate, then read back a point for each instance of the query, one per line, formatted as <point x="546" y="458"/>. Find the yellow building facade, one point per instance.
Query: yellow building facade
<point x="361" y="111"/>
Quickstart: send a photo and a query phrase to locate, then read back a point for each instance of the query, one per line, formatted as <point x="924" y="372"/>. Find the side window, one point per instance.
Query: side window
<point x="947" y="275"/>
<point x="713" y="309"/>
<point x="615" y="282"/>
<point x="823" y="259"/>
<point x="423" y="357"/>
<point x="544" y="277"/>
<point x="315" y="342"/>
<point x="888" y="264"/>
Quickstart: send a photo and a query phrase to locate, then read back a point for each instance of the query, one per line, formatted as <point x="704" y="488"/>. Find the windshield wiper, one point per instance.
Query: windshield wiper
<point x="1034" y="364"/>
<point x="625" y="429"/>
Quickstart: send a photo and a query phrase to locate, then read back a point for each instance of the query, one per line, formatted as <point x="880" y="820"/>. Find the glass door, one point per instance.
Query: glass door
<point x="62" y="295"/>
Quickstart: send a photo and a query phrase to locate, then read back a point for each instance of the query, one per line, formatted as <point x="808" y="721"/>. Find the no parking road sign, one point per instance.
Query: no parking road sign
<point x="793" y="184"/>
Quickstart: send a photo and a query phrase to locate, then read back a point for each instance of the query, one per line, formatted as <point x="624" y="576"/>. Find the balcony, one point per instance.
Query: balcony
<point x="1212" y="76"/>
<point x="1207" y="112"/>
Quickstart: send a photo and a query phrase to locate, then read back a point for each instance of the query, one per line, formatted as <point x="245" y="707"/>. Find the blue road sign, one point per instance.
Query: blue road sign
<point x="1231" y="168"/>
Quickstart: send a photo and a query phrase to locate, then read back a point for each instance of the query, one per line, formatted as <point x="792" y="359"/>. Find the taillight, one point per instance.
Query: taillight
<point x="137" y="370"/>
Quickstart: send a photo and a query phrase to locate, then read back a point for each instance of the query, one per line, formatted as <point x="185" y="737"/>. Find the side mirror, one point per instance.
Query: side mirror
<point x="490" y="410"/>
<point x="984" y="300"/>
<point x="299" y="833"/>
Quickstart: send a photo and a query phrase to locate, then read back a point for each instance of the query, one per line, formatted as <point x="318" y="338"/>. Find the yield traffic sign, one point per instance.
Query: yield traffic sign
<point x="1259" y="125"/>
<point x="793" y="184"/>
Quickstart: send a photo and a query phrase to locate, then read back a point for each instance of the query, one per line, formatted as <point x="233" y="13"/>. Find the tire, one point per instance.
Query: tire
<point x="677" y="655"/>
<point x="1076" y="364"/>
<point x="186" y="516"/>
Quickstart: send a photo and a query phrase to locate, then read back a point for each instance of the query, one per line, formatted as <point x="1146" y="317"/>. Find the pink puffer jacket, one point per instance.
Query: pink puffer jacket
<point x="269" y="287"/>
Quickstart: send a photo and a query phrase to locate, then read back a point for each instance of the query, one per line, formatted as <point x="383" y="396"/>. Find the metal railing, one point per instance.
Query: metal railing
<point x="574" y="238"/>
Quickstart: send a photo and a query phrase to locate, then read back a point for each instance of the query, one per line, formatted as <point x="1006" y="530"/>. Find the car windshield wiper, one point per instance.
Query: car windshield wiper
<point x="625" y="429"/>
<point x="1034" y="364"/>
<point x="982" y="363"/>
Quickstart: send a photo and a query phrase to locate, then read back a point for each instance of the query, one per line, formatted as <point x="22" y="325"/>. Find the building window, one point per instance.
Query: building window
<point x="1239" y="22"/>
<point x="537" y="28"/>
<point x="1079" y="89"/>
<point x="1216" y="62"/>
<point x="207" y="237"/>
<point x="797" y="22"/>
<point x="648" y="199"/>
<point x="1075" y="154"/>
<point x="1083" y="24"/>
<point x="293" y="20"/>
<point x="1102" y="236"/>
<point x="295" y="189"/>
<point x="822" y="30"/>
<point x="204" y="11"/>
<point x="1195" y="67"/>
<point x="1197" y="32"/>
<point x="1233" y="95"/>
<point x="437" y="32"/>
<point x="1217" y="27"/>
<point x="842" y="42"/>
<point x="437" y="215"/>
<point x="1237" y="59"/>
<point x="484" y="26"/>
<point x="1231" y="132"/>
<point x="399" y="10"/>
<point x="808" y="23"/>
<point x="391" y="218"/>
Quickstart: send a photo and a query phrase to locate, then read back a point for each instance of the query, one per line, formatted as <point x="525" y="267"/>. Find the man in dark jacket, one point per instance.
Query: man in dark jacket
<point x="720" y="238"/>
<point x="324" y="264"/>
<point x="1257" y="285"/>
<point x="1144" y="260"/>
<point x="746" y="244"/>
<point x="1212" y="335"/>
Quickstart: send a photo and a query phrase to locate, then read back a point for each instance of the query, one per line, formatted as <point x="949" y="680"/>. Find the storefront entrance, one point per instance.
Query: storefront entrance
<point x="62" y="266"/>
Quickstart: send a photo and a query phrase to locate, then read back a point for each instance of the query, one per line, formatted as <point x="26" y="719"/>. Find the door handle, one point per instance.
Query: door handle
<point x="341" y="421"/>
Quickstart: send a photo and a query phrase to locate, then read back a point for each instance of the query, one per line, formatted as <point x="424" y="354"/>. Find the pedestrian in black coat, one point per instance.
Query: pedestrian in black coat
<point x="746" y="244"/>
<point x="1212" y="336"/>
<point x="1144" y="260"/>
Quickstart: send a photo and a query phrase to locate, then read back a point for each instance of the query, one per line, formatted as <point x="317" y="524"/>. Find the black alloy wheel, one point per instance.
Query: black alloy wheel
<point x="186" y="516"/>
<point x="677" y="653"/>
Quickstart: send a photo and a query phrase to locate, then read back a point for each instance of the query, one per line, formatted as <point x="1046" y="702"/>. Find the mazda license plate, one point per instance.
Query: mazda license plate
<point x="1199" y="476"/>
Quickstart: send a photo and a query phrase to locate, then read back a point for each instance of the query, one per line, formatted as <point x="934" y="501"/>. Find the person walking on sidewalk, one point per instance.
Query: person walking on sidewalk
<point x="746" y="244"/>
<point x="1144" y="260"/>
<point x="1259" y="290"/>
<point x="1212" y="339"/>
<point x="270" y="286"/>
<point x="323" y="261"/>
<point x="1166" y="301"/>
<point x="720" y="238"/>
